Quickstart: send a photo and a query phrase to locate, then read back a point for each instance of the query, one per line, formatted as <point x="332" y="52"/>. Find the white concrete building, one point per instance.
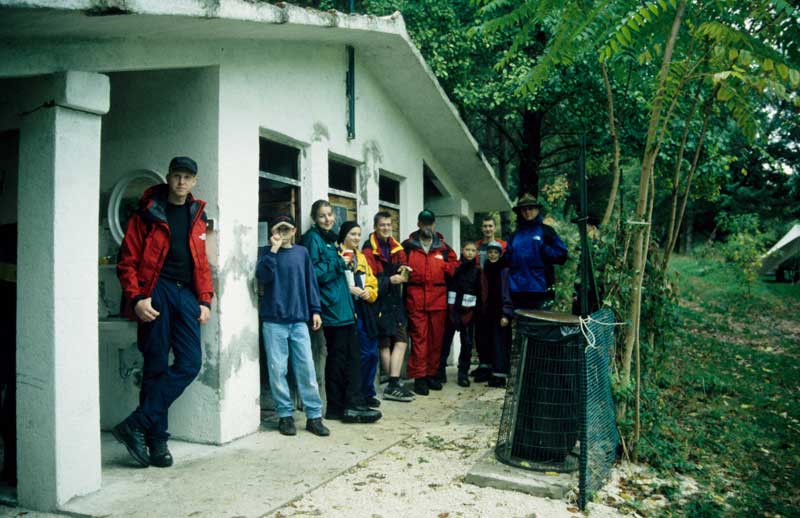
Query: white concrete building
<point x="99" y="92"/>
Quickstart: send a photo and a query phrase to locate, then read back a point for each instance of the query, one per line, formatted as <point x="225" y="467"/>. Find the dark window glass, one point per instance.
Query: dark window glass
<point x="389" y="190"/>
<point x="430" y="189"/>
<point x="278" y="159"/>
<point x="341" y="176"/>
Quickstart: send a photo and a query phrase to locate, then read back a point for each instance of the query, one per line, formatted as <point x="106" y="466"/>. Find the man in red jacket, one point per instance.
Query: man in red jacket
<point x="166" y="282"/>
<point x="431" y="260"/>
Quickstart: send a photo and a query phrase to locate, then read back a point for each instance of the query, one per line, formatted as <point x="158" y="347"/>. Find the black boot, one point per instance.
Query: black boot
<point x="286" y="426"/>
<point x="360" y="414"/>
<point x="316" y="427"/>
<point x="463" y="379"/>
<point x="434" y="384"/>
<point x="421" y="386"/>
<point x="482" y="375"/>
<point x="134" y="440"/>
<point x="497" y="381"/>
<point x="160" y="456"/>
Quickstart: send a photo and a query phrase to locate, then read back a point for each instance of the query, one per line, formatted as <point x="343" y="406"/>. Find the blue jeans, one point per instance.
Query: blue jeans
<point x="281" y="340"/>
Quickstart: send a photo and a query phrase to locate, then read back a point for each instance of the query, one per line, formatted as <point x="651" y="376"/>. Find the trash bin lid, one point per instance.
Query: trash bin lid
<point x="554" y="317"/>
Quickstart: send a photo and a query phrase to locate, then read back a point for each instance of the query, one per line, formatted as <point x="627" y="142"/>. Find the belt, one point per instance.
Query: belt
<point x="179" y="284"/>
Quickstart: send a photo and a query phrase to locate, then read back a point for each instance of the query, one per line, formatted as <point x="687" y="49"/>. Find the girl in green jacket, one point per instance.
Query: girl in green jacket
<point x="343" y="366"/>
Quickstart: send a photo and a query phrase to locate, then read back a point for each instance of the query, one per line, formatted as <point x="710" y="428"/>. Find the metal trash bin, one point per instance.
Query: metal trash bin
<point x="540" y="422"/>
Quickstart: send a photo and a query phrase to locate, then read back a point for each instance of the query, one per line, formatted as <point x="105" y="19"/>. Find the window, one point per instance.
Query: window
<point x="431" y="188"/>
<point x="342" y="191"/>
<point x="388" y="190"/>
<point x="278" y="159"/>
<point x="279" y="180"/>
<point x="341" y="177"/>
<point x="389" y="201"/>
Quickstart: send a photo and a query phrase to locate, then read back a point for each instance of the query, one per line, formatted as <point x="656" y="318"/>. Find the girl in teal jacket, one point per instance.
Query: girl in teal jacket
<point x="343" y="365"/>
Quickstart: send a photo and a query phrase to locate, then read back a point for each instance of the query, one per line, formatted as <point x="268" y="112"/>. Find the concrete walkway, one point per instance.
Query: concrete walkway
<point x="411" y="463"/>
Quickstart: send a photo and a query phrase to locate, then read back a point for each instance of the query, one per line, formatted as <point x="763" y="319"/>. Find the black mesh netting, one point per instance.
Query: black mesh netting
<point x="558" y="413"/>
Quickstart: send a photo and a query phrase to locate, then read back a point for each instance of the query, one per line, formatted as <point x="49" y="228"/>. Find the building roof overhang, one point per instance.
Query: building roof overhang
<point x="382" y="43"/>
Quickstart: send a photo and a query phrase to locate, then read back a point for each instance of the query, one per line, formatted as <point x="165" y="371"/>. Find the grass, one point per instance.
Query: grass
<point x="722" y="400"/>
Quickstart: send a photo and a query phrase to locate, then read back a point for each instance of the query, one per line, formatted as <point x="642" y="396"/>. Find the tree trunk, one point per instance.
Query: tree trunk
<point x="612" y="129"/>
<point x="532" y="152"/>
<point x="648" y="163"/>
<point x="676" y="179"/>
<point x="688" y="232"/>
<point x="692" y="170"/>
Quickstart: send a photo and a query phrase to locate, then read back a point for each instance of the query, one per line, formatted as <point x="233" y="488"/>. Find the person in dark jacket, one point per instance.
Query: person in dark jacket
<point x="387" y="259"/>
<point x="364" y="290"/>
<point x="290" y="301"/>
<point x="483" y="338"/>
<point x="533" y="250"/>
<point x="431" y="262"/>
<point x="462" y="299"/>
<point x="496" y="312"/>
<point x="166" y="282"/>
<point x="343" y="364"/>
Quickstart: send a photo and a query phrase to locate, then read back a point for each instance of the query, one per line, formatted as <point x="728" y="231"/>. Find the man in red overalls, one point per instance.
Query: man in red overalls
<point x="431" y="260"/>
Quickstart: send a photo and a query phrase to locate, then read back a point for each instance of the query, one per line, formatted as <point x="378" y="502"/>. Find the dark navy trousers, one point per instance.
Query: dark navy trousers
<point x="178" y="329"/>
<point x="466" y="333"/>
<point x="369" y="359"/>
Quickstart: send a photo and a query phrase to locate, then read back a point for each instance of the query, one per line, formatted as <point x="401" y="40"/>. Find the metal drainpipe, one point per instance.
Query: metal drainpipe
<point x="351" y="85"/>
<point x="351" y="93"/>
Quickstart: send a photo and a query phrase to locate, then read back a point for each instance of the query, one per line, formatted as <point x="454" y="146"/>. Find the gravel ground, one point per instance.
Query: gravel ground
<point x="423" y="475"/>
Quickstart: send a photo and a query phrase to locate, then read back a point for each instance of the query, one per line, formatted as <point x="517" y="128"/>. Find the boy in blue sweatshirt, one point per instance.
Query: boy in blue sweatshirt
<point x="290" y="301"/>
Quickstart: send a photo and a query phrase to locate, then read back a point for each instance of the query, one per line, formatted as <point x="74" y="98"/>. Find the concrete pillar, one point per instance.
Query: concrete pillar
<point x="230" y="376"/>
<point x="58" y="404"/>
<point x="449" y="213"/>
<point x="368" y="187"/>
<point x="315" y="173"/>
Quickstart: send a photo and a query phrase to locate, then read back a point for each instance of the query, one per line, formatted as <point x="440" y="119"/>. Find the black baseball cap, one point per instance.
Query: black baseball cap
<point x="281" y="219"/>
<point x="427" y="217"/>
<point x="183" y="163"/>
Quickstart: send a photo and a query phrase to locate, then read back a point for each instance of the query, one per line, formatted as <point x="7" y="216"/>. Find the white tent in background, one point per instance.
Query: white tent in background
<point x="787" y="248"/>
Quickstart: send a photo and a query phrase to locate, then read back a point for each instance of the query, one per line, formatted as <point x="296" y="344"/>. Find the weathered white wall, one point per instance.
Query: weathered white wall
<point x="263" y="83"/>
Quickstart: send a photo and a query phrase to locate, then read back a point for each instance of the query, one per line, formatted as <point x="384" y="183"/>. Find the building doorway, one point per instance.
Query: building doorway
<point x="278" y="193"/>
<point x="9" y="162"/>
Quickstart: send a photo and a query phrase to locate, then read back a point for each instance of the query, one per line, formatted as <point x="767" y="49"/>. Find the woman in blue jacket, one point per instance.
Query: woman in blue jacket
<point x="533" y="250"/>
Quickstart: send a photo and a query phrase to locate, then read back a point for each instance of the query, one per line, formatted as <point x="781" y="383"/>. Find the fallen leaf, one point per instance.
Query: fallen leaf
<point x="573" y="509"/>
<point x="551" y="473"/>
<point x="444" y="515"/>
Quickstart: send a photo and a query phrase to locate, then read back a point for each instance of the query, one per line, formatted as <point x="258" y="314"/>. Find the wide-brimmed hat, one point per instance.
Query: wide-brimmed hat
<point x="527" y="200"/>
